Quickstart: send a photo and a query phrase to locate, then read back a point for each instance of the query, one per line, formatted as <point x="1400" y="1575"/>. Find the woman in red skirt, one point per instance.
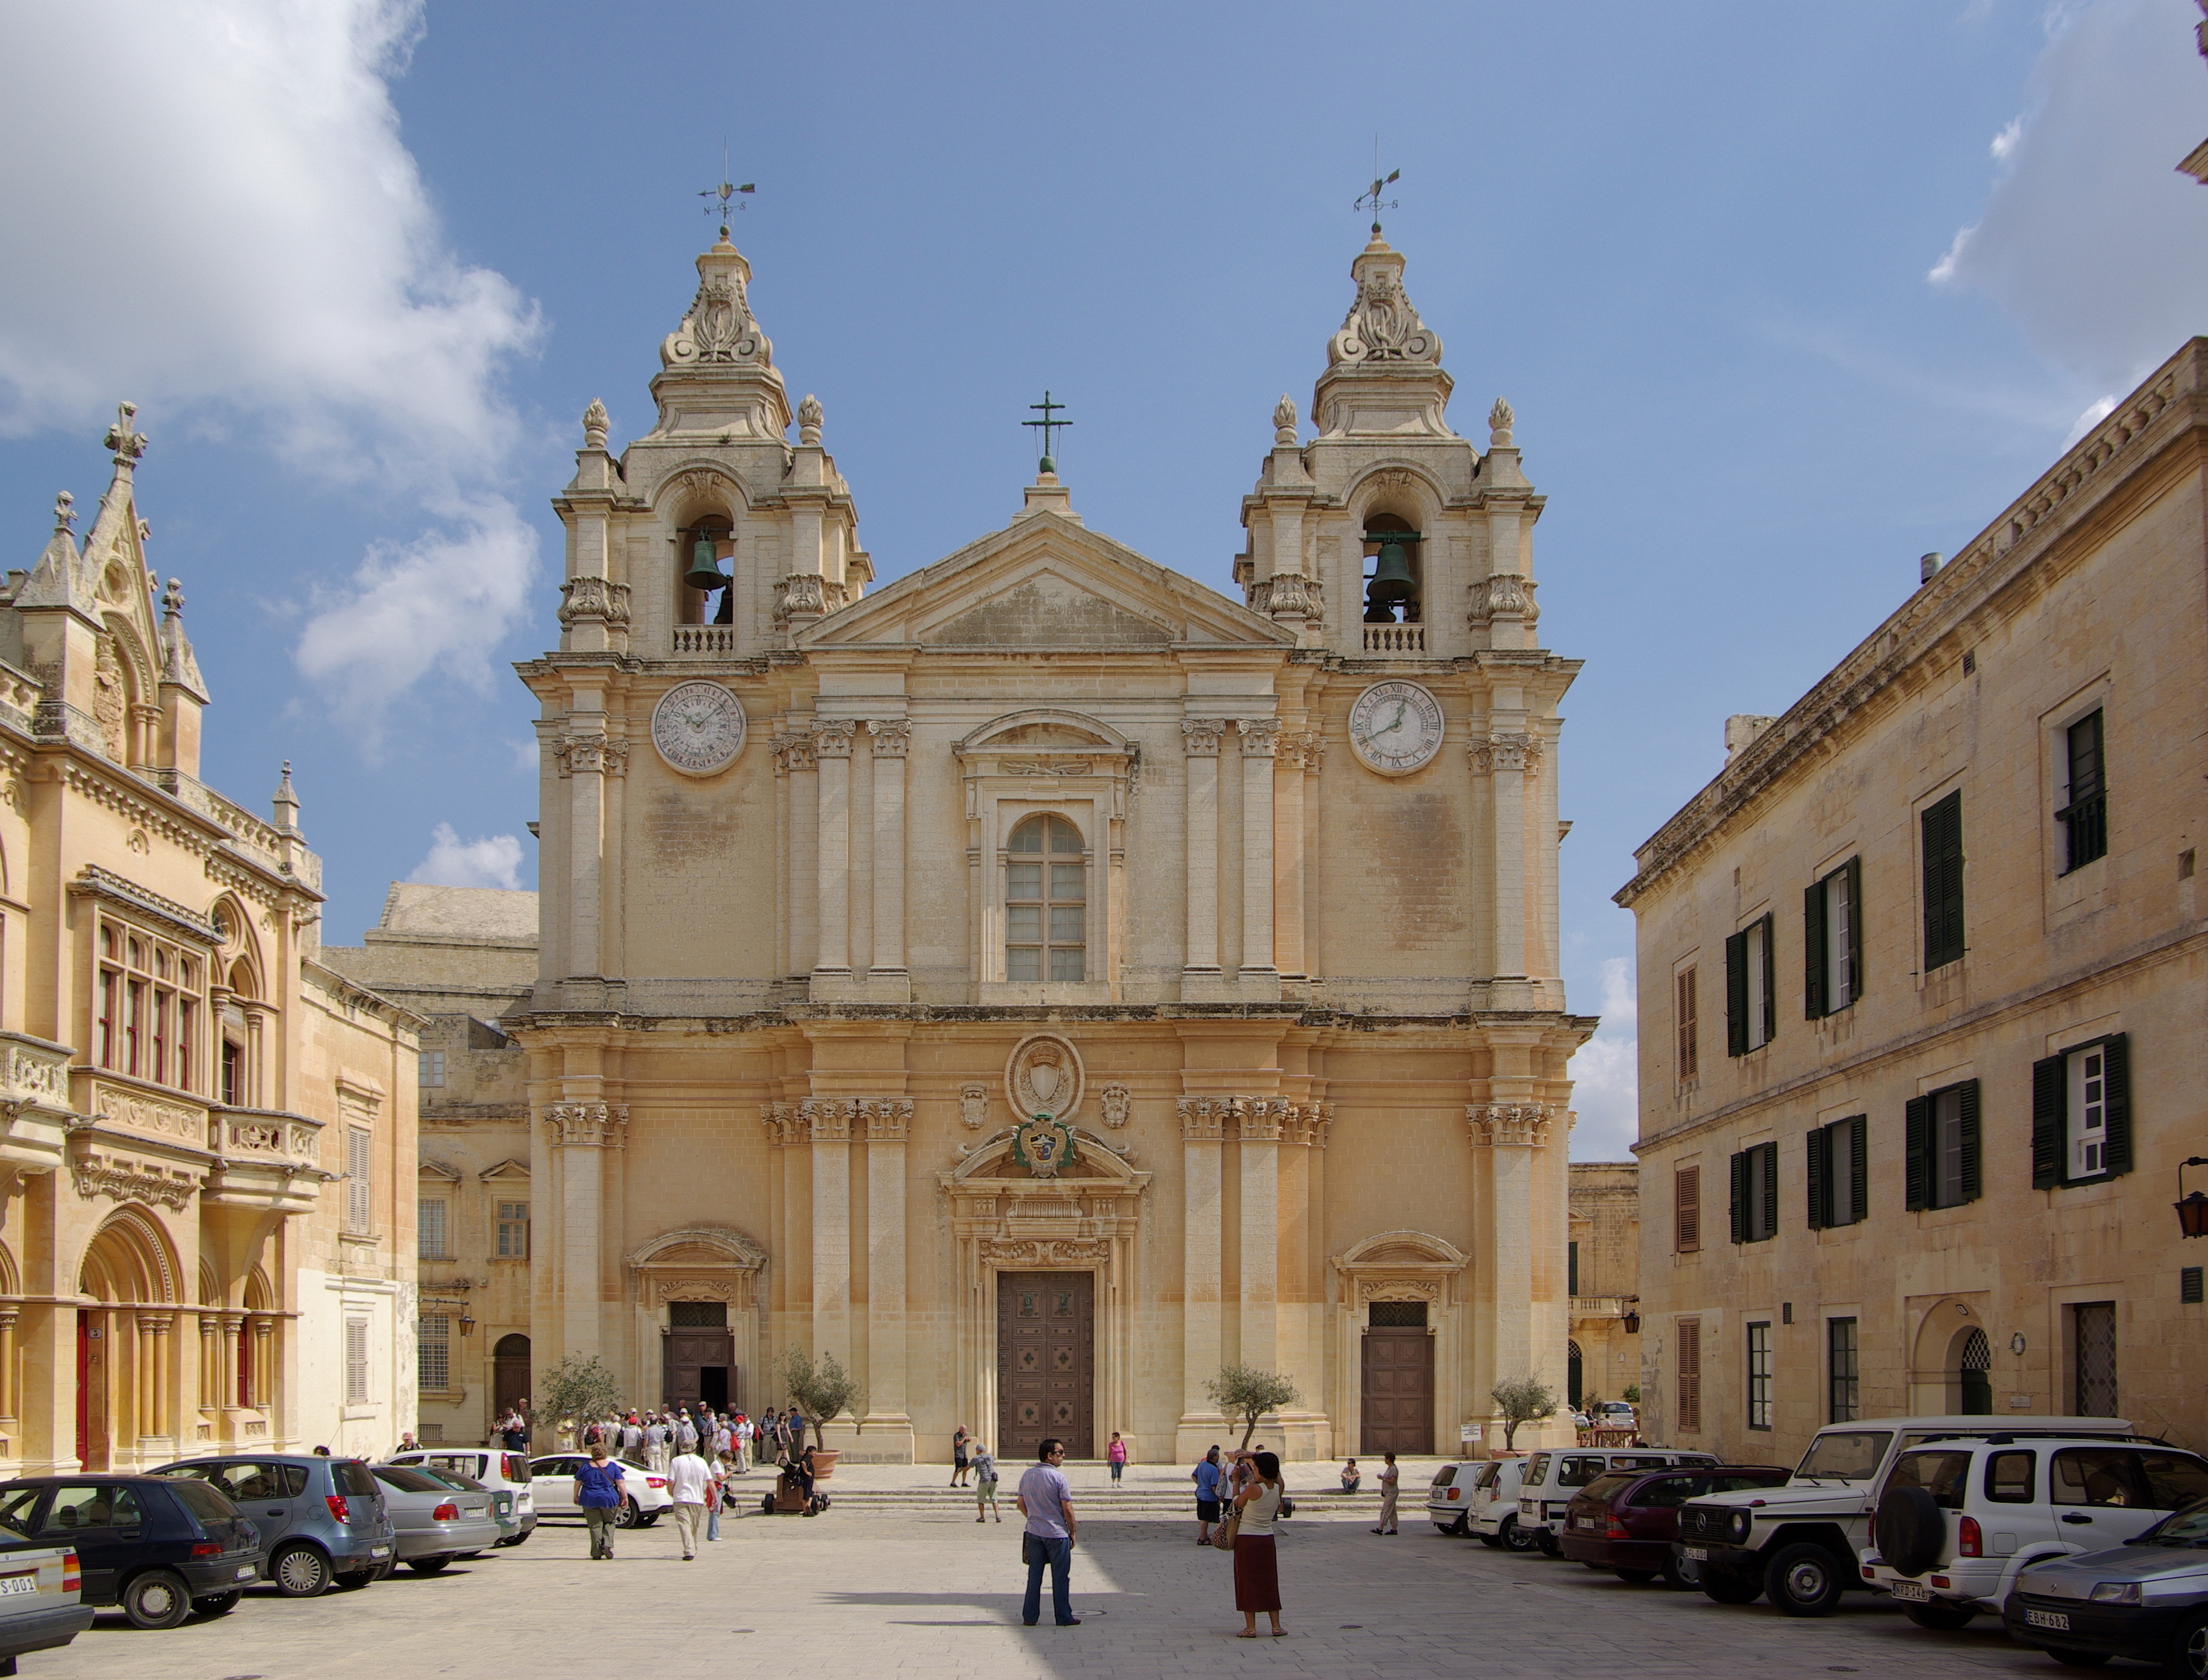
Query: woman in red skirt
<point x="1257" y="1570"/>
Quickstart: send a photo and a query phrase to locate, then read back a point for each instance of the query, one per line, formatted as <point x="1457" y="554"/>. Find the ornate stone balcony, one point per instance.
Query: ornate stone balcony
<point x="715" y="639"/>
<point x="264" y="1158"/>
<point x="1395" y="640"/>
<point x="34" y="1103"/>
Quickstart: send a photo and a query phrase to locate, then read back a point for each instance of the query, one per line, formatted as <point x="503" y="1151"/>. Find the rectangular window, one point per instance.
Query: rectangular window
<point x="429" y="1228"/>
<point x="1942" y="1155"/>
<point x="2189" y="1290"/>
<point x="1839" y="1168"/>
<point x="1759" y="1375"/>
<point x="233" y="1072"/>
<point x="1831" y="941"/>
<point x="2085" y="812"/>
<point x="356" y="1361"/>
<point x="2081" y="1119"/>
<point x="1686" y="1210"/>
<point x="1749" y="997"/>
<point x="432" y="1068"/>
<point x="1690" y="1049"/>
<point x="2093" y="1344"/>
<point x="360" y="1157"/>
<point x="513" y="1230"/>
<point x="1690" y="1376"/>
<point x="1755" y="1193"/>
<point x="1942" y="828"/>
<point x="1572" y="1266"/>
<point x="433" y="1348"/>
<point x="1841" y="1373"/>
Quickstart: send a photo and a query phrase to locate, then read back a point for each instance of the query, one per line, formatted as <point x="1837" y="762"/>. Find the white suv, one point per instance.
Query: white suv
<point x="1552" y="1478"/>
<point x="1956" y="1520"/>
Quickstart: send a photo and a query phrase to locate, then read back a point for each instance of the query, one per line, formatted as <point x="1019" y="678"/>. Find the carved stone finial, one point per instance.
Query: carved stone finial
<point x="1500" y="419"/>
<point x="172" y="600"/>
<point x="1284" y="420"/>
<point x="595" y="424"/>
<point x="809" y="419"/>
<point x="65" y="511"/>
<point x="126" y="444"/>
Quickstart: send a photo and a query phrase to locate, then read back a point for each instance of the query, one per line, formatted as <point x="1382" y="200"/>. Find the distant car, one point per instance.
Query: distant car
<point x="1612" y="1414"/>
<point x="499" y="1471"/>
<point x="552" y="1479"/>
<point x="436" y="1521"/>
<point x="2146" y="1599"/>
<point x="1627" y="1521"/>
<point x="323" y="1522"/>
<point x="158" y="1551"/>
<point x="1552" y="1478"/>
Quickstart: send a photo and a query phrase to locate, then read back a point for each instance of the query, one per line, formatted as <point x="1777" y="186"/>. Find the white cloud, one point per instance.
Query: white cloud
<point x="493" y="861"/>
<point x="2090" y="240"/>
<point x="1605" y="1073"/>
<point x="208" y="209"/>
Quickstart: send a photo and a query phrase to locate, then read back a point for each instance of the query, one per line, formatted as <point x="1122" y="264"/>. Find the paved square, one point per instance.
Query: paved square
<point x="887" y="1582"/>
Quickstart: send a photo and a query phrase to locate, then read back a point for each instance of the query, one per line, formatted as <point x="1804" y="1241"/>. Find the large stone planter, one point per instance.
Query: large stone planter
<point x="824" y="1463"/>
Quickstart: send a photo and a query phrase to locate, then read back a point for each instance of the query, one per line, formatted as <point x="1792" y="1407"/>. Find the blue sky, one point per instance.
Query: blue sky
<point x="1783" y="296"/>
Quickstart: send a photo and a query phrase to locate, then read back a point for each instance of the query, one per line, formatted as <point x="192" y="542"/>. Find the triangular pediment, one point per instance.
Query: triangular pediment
<point x="1045" y="582"/>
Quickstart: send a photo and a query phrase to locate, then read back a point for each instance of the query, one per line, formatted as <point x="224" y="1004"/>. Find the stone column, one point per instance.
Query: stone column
<point x="211" y="1385"/>
<point x="1507" y="1134"/>
<point x="887" y="1123"/>
<point x="144" y="1371"/>
<point x="233" y="1336"/>
<point x="582" y="1132"/>
<point x="1203" y="1132"/>
<point x="256" y="1049"/>
<point x="1200" y="743"/>
<point x="1258" y="736"/>
<point x="831" y="740"/>
<point x="891" y="736"/>
<point x="264" y="1363"/>
<point x="1258" y="1130"/>
<point x="8" y="1402"/>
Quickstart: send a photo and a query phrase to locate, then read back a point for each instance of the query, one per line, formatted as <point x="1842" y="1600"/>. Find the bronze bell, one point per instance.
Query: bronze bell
<point x="704" y="571"/>
<point x="1391" y="575"/>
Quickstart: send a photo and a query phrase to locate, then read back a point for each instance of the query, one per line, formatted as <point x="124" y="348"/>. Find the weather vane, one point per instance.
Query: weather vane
<point x="723" y="193"/>
<point x="1048" y="424"/>
<point x="1371" y="200"/>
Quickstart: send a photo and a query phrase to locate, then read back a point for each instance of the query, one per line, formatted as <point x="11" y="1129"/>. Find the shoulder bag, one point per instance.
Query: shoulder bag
<point x="1223" y="1536"/>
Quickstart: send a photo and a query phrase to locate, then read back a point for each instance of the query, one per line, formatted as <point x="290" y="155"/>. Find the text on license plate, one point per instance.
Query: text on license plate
<point x="1913" y="1592"/>
<point x="2047" y="1618"/>
<point x="246" y="1571"/>
<point x="379" y="1551"/>
<point x="20" y="1583"/>
<point x="1699" y="1554"/>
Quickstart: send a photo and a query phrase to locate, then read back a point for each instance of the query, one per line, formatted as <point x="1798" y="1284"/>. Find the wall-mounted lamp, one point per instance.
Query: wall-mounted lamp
<point x="2192" y="1211"/>
<point x="467" y="1325"/>
<point x="1632" y="1318"/>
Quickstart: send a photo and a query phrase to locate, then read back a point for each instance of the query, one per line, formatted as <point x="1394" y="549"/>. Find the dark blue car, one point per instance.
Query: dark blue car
<point x="159" y="1549"/>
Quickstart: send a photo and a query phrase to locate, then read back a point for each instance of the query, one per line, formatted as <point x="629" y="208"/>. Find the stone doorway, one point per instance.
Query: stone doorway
<point x="1397" y="1380"/>
<point x="1046" y="1363"/>
<point x="509" y="1374"/>
<point x="697" y="1342"/>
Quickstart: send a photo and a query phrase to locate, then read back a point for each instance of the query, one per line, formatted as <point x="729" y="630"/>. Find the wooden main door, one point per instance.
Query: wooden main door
<point x="1398" y="1391"/>
<point x="1046" y="1363"/>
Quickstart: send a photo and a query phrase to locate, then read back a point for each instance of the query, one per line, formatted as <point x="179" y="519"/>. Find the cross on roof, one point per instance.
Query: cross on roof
<point x="1048" y="424"/>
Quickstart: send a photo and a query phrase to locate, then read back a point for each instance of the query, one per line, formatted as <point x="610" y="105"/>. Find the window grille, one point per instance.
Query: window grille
<point x="433" y="1345"/>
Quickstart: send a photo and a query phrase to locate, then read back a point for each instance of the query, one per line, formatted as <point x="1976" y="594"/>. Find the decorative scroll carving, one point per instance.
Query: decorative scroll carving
<point x="799" y="595"/>
<point x="1524" y="1124"/>
<point x="887" y="1119"/>
<point x="1008" y="1252"/>
<point x="1258" y="736"/>
<point x="1288" y="592"/>
<point x="1044" y="1075"/>
<point x="893" y="736"/>
<point x="592" y="755"/>
<point x="1308" y="1123"/>
<point x="781" y="1120"/>
<point x="1116" y="1103"/>
<point x="1382" y="325"/>
<point x="1199" y="736"/>
<point x="1203" y="1118"/>
<point x="666" y="1289"/>
<point x="121" y="1179"/>
<point x="1304" y="749"/>
<point x="1509" y="752"/>
<point x="795" y="753"/>
<point x="586" y="1125"/>
<point x="1032" y="767"/>
<point x="832" y="737"/>
<point x="590" y="598"/>
<point x="1505" y="594"/>
<point x="33" y="1077"/>
<point x="1256" y="1119"/>
<point x="719" y="326"/>
<point x="973" y="1107"/>
<point x="1400" y="1289"/>
<point x="827" y="1120"/>
<point x="134" y="1113"/>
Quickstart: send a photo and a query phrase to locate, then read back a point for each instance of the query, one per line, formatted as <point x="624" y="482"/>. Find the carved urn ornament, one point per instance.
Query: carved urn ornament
<point x="1044" y="1076"/>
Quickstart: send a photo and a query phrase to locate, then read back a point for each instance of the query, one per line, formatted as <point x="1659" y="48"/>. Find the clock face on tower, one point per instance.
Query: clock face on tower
<point x="698" y="728"/>
<point x="1395" y="728"/>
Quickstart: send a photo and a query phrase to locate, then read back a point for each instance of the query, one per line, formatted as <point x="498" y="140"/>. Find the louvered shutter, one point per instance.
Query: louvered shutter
<point x="1859" y="1164"/>
<point x="1739" y="1164"/>
<point x="1943" y="825"/>
<point x="1690" y="1376"/>
<point x="1855" y="930"/>
<point x="1770" y="1190"/>
<point x="1736" y="994"/>
<point x="2049" y="1092"/>
<point x="1820" y="1155"/>
<point x="1769" y="1001"/>
<point x="1973" y="1178"/>
<point x="1916" y="1160"/>
<point x="1687" y="1208"/>
<point x="1813" y="952"/>
<point x="2116" y="1099"/>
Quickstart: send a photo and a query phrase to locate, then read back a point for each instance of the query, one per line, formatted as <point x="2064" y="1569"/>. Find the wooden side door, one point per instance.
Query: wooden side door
<point x="1046" y="1363"/>
<point x="1397" y="1391"/>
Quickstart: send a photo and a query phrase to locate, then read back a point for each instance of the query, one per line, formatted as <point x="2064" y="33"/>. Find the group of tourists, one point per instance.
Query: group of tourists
<point x="700" y="1452"/>
<point x="655" y="1439"/>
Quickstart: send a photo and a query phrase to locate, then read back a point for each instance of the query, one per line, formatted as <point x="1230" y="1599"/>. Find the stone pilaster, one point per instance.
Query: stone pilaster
<point x="579" y="1136"/>
<point x="891" y="737"/>
<point x="1258" y="737"/>
<point x="1200" y="748"/>
<point x="887" y="1123"/>
<point x="1507" y="1134"/>
<point x="832" y="743"/>
<point x="1203" y="1124"/>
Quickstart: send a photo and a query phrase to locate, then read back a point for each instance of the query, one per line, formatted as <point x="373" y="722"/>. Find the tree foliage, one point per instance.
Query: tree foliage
<point x="578" y="1388"/>
<point x="1245" y="1392"/>
<point x="823" y="1391"/>
<point x="1522" y="1400"/>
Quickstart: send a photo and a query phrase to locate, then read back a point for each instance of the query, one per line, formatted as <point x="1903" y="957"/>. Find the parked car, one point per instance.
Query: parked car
<point x="41" y="1599"/>
<point x="1448" y="1498"/>
<point x="1627" y="1521"/>
<point x="434" y="1522"/>
<point x="1799" y="1543"/>
<point x="1613" y="1414"/>
<point x="1956" y="1520"/>
<point x="157" y="1550"/>
<point x="552" y="1482"/>
<point x="501" y="1499"/>
<point x="2146" y="1599"/>
<point x="1552" y="1478"/>
<point x="322" y="1520"/>
<point x="1494" y="1499"/>
<point x="499" y="1471"/>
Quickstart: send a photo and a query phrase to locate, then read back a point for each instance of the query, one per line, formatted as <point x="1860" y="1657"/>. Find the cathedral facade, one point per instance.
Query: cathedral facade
<point x="1043" y="981"/>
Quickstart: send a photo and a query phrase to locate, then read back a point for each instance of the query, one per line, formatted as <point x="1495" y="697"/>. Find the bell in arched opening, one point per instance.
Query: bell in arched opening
<point x="1394" y="584"/>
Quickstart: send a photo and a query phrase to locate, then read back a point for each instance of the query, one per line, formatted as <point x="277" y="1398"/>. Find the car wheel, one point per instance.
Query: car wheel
<point x="2080" y="1658"/>
<point x="1634" y="1577"/>
<point x="1443" y="1528"/>
<point x="300" y="1572"/>
<point x="2188" y="1657"/>
<point x="1461" y="1526"/>
<point x="353" y="1579"/>
<point x="1939" y="1617"/>
<point x="157" y="1598"/>
<point x="1511" y="1538"/>
<point x="1682" y="1575"/>
<point x="516" y="1540"/>
<point x="645" y="1518"/>
<point x="628" y="1516"/>
<point x="1728" y="1587"/>
<point x="1802" y="1580"/>
<point x="217" y="1604"/>
<point x="426" y="1565"/>
<point x="1550" y="1545"/>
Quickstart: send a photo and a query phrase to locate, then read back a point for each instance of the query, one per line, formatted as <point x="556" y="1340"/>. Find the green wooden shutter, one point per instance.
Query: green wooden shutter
<point x="1859" y="1164"/>
<point x="2049" y="1090"/>
<point x="1819" y="1154"/>
<point x="1813" y="952"/>
<point x="1973" y="1178"/>
<point x="1942" y="826"/>
<point x="1737" y="995"/>
<point x="1739" y="1166"/>
<point x="1916" y="1164"/>
<point x="1769" y="1152"/>
<point x="1855" y="931"/>
<point x="1770" y="1000"/>
<point x="2116" y="1097"/>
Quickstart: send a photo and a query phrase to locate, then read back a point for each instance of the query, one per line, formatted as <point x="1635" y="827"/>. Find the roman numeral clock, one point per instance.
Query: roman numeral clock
<point x="1395" y="728"/>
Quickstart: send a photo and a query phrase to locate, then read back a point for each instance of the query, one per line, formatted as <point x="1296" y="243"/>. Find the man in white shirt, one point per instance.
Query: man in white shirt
<point x="688" y="1484"/>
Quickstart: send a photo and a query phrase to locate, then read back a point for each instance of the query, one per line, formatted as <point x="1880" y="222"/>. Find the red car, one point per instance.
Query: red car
<point x="1626" y="1522"/>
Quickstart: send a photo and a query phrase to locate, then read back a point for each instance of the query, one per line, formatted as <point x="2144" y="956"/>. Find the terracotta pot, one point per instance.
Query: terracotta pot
<point x="824" y="1463"/>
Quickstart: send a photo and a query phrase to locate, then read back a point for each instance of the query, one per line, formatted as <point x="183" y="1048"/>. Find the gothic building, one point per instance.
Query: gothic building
<point x="980" y="978"/>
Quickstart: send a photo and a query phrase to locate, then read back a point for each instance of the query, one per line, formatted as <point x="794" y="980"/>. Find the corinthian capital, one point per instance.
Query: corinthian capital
<point x="891" y="736"/>
<point x="1199" y="736"/>
<point x="1525" y="1125"/>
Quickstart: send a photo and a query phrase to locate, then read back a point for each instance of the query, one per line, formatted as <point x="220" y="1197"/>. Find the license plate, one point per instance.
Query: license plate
<point x="1698" y="1554"/>
<point x="246" y="1572"/>
<point x="19" y="1583"/>
<point x="379" y="1551"/>
<point x="1911" y="1591"/>
<point x="2054" y="1619"/>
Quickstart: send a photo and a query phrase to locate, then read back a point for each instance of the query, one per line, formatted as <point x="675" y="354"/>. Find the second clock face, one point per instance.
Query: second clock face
<point x="1395" y="728"/>
<point x="698" y="728"/>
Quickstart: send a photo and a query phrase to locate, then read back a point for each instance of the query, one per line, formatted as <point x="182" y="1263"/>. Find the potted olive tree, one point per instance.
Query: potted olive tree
<point x="824" y="1391"/>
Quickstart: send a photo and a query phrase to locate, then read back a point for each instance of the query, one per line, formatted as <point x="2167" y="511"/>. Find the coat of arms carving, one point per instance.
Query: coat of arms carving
<point x="1043" y="1145"/>
<point x="1044" y="1076"/>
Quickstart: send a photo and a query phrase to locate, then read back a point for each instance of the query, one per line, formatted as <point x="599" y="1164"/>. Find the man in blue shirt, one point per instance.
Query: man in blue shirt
<point x="1206" y="1477"/>
<point x="1046" y="1500"/>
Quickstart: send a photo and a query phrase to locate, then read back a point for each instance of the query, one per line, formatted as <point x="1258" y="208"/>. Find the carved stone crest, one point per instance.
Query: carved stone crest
<point x="973" y="1107"/>
<point x="1043" y="1145"/>
<point x="1116" y="1103"/>
<point x="1044" y="1076"/>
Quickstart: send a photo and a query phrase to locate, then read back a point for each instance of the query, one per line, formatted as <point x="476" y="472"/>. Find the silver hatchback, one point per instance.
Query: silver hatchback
<point x="436" y="1522"/>
<point x="2146" y="1599"/>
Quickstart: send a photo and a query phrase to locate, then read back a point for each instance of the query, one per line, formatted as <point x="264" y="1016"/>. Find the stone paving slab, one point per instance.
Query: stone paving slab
<point x="929" y="1593"/>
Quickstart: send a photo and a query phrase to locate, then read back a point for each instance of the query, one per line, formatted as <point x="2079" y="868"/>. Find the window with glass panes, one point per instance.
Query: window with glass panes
<point x="1759" y="1375"/>
<point x="432" y="1071"/>
<point x="2085" y="814"/>
<point x="429" y="1227"/>
<point x="1842" y="1374"/>
<point x="433" y="1351"/>
<point x="1046" y="902"/>
<point x="148" y="1007"/>
<point x="513" y="1230"/>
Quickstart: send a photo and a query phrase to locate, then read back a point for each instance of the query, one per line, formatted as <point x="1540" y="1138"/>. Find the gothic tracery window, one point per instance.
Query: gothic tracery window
<point x="1046" y="902"/>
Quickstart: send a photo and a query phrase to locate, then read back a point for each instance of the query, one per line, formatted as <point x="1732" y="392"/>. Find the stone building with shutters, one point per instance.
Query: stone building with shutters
<point x="206" y="1135"/>
<point x="1923" y="973"/>
<point x="1042" y="981"/>
<point x="1603" y="1269"/>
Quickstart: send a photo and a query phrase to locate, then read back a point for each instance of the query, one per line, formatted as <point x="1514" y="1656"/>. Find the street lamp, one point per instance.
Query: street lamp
<point x="467" y="1324"/>
<point x="2192" y="1211"/>
<point x="1632" y="1318"/>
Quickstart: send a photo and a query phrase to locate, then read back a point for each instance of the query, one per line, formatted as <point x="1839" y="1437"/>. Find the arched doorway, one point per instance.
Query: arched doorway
<point x="126" y="1376"/>
<point x="1973" y="1357"/>
<point x="509" y="1365"/>
<point x="1574" y="1374"/>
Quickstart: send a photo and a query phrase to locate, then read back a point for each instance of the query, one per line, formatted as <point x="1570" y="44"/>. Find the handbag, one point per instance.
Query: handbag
<point x="1223" y="1536"/>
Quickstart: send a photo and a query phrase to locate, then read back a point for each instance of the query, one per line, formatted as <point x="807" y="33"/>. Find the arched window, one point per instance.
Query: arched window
<point x="1974" y="1360"/>
<point x="1394" y="581"/>
<point x="1574" y="1374"/>
<point x="1046" y="902"/>
<point x="717" y="603"/>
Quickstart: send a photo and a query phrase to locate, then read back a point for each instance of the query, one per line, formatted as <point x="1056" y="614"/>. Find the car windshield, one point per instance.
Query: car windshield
<point x="1487" y="1475"/>
<point x="1848" y="1455"/>
<point x="407" y="1479"/>
<point x="2187" y="1527"/>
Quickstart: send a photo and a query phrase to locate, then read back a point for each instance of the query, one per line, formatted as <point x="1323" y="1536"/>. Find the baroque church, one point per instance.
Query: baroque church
<point x="1043" y="981"/>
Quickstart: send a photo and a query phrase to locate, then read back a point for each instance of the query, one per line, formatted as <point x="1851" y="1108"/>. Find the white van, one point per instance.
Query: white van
<point x="1551" y="1477"/>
